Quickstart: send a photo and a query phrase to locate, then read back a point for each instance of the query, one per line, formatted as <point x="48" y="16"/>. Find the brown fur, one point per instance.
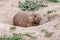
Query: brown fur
<point x="25" y="20"/>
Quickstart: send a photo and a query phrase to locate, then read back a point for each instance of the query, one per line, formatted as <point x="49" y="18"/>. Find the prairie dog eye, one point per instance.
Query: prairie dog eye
<point x="34" y="15"/>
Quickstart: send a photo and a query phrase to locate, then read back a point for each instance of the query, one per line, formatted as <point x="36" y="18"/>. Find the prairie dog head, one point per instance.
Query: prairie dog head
<point x="35" y="19"/>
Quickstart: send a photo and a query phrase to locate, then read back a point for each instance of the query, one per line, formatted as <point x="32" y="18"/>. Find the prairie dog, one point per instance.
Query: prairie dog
<point x="25" y="20"/>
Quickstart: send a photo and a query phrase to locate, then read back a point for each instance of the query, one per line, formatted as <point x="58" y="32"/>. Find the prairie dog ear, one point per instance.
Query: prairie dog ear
<point x="33" y="15"/>
<point x="30" y="19"/>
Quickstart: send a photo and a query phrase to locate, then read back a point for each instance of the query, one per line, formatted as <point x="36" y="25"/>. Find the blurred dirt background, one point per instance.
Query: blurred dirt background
<point x="8" y="8"/>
